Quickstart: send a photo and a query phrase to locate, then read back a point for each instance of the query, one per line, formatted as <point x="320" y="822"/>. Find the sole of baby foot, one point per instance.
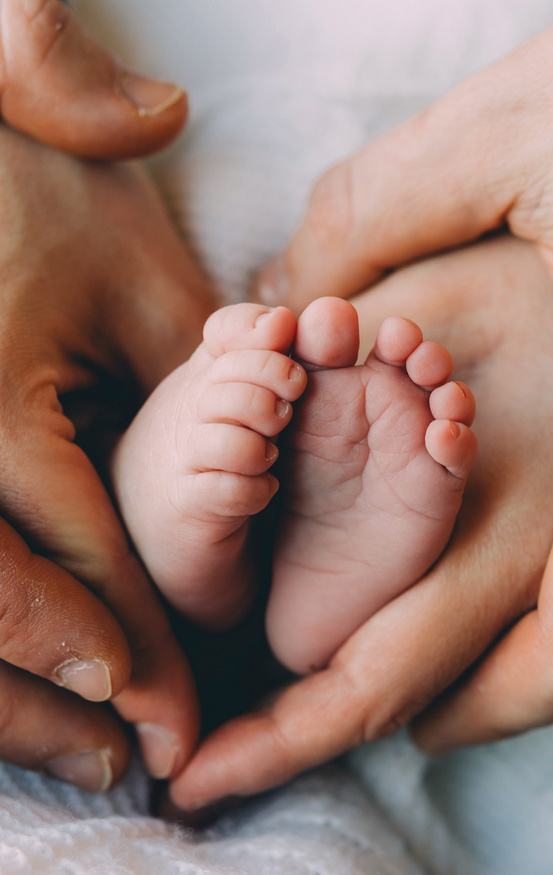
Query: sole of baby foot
<point x="375" y="465"/>
<point x="194" y="466"/>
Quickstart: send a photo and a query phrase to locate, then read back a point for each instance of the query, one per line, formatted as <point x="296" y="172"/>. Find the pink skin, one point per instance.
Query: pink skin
<point x="367" y="510"/>
<point x="377" y="464"/>
<point x="194" y="465"/>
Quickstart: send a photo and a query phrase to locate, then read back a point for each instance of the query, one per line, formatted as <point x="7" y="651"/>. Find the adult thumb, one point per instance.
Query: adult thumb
<point x="60" y="86"/>
<point x="477" y="159"/>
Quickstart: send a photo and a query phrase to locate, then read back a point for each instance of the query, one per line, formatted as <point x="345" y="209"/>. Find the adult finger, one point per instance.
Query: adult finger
<point x="42" y="633"/>
<point x="509" y="692"/>
<point x="156" y="299"/>
<point x="478" y="158"/>
<point x="60" y="86"/>
<point x="50" y="730"/>
<point x="391" y="668"/>
<point x="414" y="648"/>
<point x="41" y="628"/>
<point x="58" y="500"/>
<point x="50" y="489"/>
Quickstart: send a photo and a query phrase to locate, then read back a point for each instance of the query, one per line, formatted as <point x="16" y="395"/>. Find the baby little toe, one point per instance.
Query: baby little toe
<point x="453" y="445"/>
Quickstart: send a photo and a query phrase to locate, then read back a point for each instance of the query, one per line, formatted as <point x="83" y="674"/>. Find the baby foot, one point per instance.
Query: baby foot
<point x="377" y="459"/>
<point x="193" y="466"/>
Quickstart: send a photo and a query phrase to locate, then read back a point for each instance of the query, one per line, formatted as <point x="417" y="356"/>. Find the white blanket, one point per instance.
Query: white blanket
<point x="279" y="90"/>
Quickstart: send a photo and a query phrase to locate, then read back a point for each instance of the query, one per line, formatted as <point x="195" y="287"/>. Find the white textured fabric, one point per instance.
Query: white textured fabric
<point x="323" y="824"/>
<point x="279" y="90"/>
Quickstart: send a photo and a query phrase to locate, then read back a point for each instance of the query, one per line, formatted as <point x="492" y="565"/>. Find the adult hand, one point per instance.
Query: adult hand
<point x="492" y="306"/>
<point x="59" y="85"/>
<point x="478" y="158"/>
<point x="99" y="302"/>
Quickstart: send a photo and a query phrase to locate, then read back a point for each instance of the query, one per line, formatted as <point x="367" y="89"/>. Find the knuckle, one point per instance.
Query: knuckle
<point x="285" y="747"/>
<point x="41" y="26"/>
<point x="531" y="216"/>
<point x="330" y="209"/>
<point x="390" y="718"/>
<point x="49" y="21"/>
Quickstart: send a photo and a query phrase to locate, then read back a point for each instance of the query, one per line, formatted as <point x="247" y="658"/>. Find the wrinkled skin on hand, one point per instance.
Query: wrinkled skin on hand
<point x="476" y="160"/>
<point x="99" y="301"/>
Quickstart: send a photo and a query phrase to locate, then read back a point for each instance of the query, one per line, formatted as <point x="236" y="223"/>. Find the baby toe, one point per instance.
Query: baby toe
<point x="429" y="365"/>
<point x="246" y="405"/>
<point x="224" y="447"/>
<point x="328" y="334"/>
<point x="249" y="326"/>
<point x="453" y="445"/>
<point x="264" y="368"/>
<point x="396" y="340"/>
<point x="453" y="401"/>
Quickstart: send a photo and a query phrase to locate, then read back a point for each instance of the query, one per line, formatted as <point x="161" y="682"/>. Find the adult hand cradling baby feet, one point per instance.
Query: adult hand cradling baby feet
<point x="497" y="325"/>
<point x="132" y="322"/>
<point x="377" y="460"/>
<point x="87" y="331"/>
<point x="439" y="180"/>
<point x="94" y="282"/>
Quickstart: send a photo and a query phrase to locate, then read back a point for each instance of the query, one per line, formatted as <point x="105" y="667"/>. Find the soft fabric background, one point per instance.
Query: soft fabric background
<point x="279" y="90"/>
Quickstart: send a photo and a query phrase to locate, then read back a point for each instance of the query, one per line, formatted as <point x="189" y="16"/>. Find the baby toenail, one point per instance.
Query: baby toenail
<point x="295" y="373"/>
<point x="454" y="430"/>
<point x="281" y="408"/>
<point x="271" y="452"/>
<point x="263" y="316"/>
<point x="461" y="389"/>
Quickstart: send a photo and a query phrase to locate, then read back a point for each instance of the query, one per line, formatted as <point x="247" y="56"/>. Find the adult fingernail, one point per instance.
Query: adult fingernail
<point x="149" y="97"/>
<point x="273" y="285"/>
<point x="89" y="678"/>
<point x="454" y="430"/>
<point x="89" y="770"/>
<point x="206" y="815"/>
<point x="159" y="748"/>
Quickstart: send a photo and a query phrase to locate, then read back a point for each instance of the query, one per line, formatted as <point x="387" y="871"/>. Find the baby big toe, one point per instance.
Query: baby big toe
<point x="328" y="334"/>
<point x="249" y="326"/>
